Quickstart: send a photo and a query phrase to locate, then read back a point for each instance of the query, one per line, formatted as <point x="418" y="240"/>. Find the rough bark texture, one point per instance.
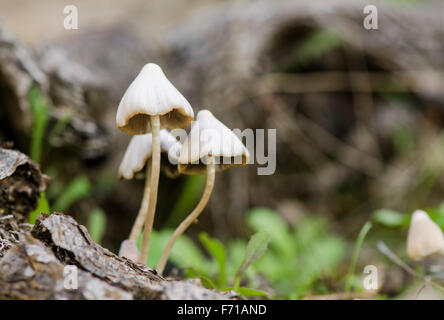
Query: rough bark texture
<point x="72" y="92"/>
<point x="32" y="262"/>
<point x="20" y="185"/>
<point x="35" y="268"/>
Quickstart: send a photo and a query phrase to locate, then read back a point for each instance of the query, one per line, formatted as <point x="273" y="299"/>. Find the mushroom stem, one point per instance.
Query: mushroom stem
<point x="143" y="211"/>
<point x="154" y="183"/>
<point x="191" y="217"/>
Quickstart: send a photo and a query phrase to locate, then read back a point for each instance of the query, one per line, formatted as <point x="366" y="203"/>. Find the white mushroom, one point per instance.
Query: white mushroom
<point x="210" y="140"/>
<point x="149" y="103"/>
<point x="209" y="147"/>
<point x="152" y="95"/>
<point x="424" y="238"/>
<point x="140" y="149"/>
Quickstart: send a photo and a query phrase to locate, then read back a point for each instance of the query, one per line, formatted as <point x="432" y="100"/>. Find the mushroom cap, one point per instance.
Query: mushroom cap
<point x="424" y="237"/>
<point x="140" y="149"/>
<point x="150" y="94"/>
<point x="211" y="138"/>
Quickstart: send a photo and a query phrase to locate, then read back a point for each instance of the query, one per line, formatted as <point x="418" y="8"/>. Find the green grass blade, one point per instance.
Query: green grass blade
<point x="97" y="224"/>
<point x="217" y="251"/>
<point x="43" y="206"/>
<point x="360" y="240"/>
<point x="40" y="112"/>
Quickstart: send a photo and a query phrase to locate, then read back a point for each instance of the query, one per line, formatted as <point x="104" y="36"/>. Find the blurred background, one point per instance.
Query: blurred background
<point x="359" y="116"/>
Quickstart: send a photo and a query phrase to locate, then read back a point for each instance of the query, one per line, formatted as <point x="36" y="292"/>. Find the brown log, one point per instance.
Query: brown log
<point x="34" y="268"/>
<point x="33" y="261"/>
<point x="20" y="183"/>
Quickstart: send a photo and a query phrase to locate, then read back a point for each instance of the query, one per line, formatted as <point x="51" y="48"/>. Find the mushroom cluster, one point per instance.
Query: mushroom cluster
<point x="136" y="157"/>
<point x="150" y="106"/>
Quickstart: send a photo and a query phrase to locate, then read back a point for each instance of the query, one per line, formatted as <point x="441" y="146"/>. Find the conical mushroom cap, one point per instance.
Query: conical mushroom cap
<point x="210" y="137"/>
<point x="150" y="94"/>
<point x="140" y="149"/>
<point x="424" y="237"/>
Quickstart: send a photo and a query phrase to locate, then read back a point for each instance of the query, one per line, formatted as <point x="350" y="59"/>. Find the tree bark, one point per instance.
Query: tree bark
<point x="33" y="260"/>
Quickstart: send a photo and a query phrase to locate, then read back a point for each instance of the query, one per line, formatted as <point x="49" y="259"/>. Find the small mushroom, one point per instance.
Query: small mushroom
<point x="149" y="103"/>
<point x="209" y="147"/>
<point x="139" y="150"/>
<point x="137" y="154"/>
<point x="424" y="238"/>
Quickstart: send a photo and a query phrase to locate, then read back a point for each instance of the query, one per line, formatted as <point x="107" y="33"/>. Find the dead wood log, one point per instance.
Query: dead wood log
<point x="35" y="268"/>
<point x="20" y="185"/>
<point x="33" y="261"/>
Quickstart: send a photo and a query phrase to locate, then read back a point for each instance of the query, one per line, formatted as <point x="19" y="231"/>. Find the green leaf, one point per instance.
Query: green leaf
<point x="264" y="219"/>
<point x="40" y="113"/>
<point x="390" y="218"/>
<point x="249" y="292"/>
<point x="186" y="254"/>
<point x="235" y="255"/>
<point x="79" y="187"/>
<point x="307" y="232"/>
<point x="206" y="282"/>
<point x="97" y="224"/>
<point x="217" y="251"/>
<point x="255" y="249"/>
<point x="43" y="206"/>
